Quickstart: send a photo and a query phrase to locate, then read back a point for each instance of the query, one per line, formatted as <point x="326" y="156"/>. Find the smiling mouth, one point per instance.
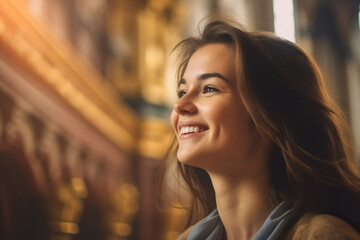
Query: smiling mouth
<point x="192" y="129"/>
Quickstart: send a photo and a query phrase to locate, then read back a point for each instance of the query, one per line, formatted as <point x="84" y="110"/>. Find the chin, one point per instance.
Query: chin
<point x="192" y="160"/>
<point x="186" y="160"/>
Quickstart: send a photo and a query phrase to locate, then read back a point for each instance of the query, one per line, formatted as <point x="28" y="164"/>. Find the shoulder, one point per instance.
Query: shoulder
<point x="322" y="227"/>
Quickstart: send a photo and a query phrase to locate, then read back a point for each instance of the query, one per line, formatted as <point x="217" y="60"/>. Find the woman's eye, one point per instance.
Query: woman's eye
<point x="181" y="93"/>
<point x="208" y="89"/>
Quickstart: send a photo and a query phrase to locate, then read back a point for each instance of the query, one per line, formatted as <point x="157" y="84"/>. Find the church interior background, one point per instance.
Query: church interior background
<point x="86" y="90"/>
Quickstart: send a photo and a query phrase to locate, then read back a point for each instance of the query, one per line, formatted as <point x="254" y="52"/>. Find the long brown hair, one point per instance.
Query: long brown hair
<point x="311" y="160"/>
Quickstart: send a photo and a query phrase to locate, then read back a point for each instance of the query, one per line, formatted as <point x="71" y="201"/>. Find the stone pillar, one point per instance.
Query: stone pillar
<point x="329" y="31"/>
<point x="253" y="15"/>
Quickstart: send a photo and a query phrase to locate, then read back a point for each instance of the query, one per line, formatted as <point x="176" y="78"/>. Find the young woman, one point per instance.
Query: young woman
<point x="263" y="150"/>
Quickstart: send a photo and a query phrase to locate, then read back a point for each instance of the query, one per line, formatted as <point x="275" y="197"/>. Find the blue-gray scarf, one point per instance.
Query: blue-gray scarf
<point x="211" y="227"/>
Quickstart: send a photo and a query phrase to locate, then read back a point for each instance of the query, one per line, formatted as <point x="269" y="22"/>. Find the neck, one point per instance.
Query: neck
<point x="243" y="204"/>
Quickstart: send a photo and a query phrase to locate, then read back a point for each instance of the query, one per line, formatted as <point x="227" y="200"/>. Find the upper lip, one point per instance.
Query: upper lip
<point x="191" y="123"/>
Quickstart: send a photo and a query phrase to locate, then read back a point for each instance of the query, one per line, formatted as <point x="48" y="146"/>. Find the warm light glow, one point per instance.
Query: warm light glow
<point x="284" y="19"/>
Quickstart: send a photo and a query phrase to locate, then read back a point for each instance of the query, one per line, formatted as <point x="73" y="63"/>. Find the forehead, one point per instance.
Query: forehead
<point x="218" y="52"/>
<point x="211" y="58"/>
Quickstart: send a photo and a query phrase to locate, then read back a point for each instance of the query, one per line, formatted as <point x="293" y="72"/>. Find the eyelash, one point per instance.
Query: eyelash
<point x="207" y="89"/>
<point x="181" y="93"/>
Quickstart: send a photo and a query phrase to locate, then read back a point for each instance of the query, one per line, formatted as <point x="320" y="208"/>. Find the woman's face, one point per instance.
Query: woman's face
<point x="213" y="128"/>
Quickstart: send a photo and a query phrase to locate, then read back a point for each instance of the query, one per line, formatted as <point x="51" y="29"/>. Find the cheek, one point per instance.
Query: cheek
<point x="227" y="116"/>
<point x="234" y="125"/>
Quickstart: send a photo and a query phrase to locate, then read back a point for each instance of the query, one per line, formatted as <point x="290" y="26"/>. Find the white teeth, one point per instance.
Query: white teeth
<point x="189" y="129"/>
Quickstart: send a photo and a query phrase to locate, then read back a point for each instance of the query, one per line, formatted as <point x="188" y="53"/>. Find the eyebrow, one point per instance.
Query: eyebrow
<point x="205" y="76"/>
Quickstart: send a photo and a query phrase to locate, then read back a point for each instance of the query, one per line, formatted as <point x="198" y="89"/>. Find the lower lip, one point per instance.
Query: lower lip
<point x="189" y="135"/>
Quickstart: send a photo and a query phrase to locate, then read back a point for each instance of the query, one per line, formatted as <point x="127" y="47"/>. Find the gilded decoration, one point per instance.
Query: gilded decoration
<point x="155" y="138"/>
<point x="159" y="31"/>
<point x="80" y="86"/>
<point x="122" y="63"/>
<point x="124" y="206"/>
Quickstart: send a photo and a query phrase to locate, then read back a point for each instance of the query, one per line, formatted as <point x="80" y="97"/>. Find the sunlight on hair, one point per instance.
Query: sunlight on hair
<point x="284" y="19"/>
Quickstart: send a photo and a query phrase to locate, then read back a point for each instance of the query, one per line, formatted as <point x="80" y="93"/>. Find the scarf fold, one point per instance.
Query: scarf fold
<point x="211" y="227"/>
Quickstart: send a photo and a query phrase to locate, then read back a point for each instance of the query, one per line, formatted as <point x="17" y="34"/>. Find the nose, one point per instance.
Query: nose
<point x="185" y="105"/>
